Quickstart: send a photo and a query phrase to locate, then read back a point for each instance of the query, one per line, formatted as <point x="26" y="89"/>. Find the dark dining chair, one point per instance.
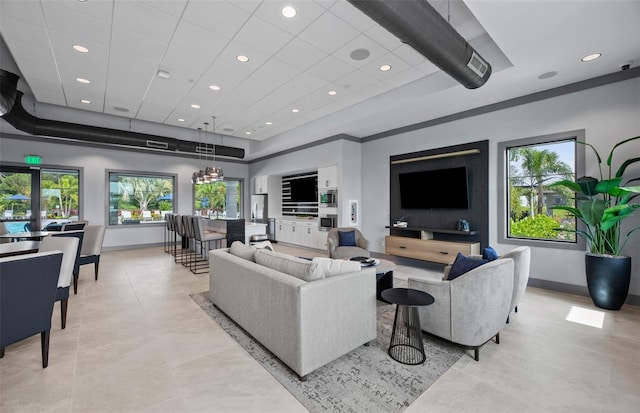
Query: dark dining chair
<point x="76" y="266"/>
<point x="27" y="293"/>
<point x="74" y="226"/>
<point x="92" y="246"/>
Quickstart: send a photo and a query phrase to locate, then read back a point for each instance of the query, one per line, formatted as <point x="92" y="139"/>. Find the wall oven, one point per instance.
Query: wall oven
<point x="326" y="222"/>
<point x="328" y="198"/>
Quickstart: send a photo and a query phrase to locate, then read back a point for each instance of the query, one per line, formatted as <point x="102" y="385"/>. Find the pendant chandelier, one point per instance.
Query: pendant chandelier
<point x="211" y="173"/>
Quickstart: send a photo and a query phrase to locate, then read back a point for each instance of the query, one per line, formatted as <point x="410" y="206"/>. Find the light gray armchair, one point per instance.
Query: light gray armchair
<point x="336" y="251"/>
<point x="471" y="309"/>
<point x="521" y="257"/>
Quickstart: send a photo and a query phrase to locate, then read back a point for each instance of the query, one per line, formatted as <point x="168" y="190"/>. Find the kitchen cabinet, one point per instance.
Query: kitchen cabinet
<point x="328" y="177"/>
<point x="298" y="232"/>
<point x="260" y="185"/>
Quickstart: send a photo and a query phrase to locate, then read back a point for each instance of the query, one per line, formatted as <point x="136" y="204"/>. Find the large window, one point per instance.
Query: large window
<point x="139" y="198"/>
<point x="530" y="166"/>
<point x="222" y="199"/>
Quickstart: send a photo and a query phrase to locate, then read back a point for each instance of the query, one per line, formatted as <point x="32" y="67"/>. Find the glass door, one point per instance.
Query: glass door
<point x="19" y="200"/>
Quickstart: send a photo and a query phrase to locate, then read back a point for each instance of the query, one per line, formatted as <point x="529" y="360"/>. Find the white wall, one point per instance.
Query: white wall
<point x="96" y="161"/>
<point x="608" y="114"/>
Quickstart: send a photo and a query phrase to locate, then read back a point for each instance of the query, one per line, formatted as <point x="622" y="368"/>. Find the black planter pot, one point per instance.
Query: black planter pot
<point x="608" y="279"/>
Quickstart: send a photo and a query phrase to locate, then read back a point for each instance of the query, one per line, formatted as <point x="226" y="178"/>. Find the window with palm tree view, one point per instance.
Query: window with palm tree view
<point x="139" y="198"/>
<point x="220" y="199"/>
<point x="531" y="169"/>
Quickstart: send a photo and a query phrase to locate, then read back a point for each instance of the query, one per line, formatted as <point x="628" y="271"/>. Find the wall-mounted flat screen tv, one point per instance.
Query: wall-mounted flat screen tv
<point x="304" y="189"/>
<point x="435" y="189"/>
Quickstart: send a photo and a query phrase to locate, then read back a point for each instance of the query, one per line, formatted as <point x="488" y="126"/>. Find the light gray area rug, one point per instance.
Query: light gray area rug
<point x="365" y="380"/>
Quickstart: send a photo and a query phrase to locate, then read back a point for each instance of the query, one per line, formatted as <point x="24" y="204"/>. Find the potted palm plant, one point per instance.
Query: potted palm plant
<point x="602" y="205"/>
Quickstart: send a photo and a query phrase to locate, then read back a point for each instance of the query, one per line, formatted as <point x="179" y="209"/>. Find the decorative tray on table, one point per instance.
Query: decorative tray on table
<point x="365" y="261"/>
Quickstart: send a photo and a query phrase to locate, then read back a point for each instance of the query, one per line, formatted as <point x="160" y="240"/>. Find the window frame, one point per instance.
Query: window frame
<point x="226" y="179"/>
<point x="137" y="174"/>
<point x="503" y="196"/>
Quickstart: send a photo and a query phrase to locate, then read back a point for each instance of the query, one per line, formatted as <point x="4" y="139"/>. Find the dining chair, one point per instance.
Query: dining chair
<point x="74" y="225"/>
<point x="27" y="293"/>
<point x="69" y="248"/>
<point x="92" y="246"/>
<point x="76" y="266"/>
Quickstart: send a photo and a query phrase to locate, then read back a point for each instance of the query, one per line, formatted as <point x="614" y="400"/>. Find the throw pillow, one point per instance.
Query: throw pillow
<point x="243" y="251"/>
<point x="288" y="264"/>
<point x="331" y="267"/>
<point x="489" y="254"/>
<point x="347" y="239"/>
<point x="462" y="265"/>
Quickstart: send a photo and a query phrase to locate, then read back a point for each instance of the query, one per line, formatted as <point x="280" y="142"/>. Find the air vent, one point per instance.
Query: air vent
<point x="204" y="150"/>
<point x="157" y="145"/>
<point x="478" y="65"/>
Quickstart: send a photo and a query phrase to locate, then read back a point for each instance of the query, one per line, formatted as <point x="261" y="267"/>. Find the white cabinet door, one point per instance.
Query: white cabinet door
<point x="328" y="177"/>
<point x="309" y="234"/>
<point x="298" y="234"/>
<point x="260" y="184"/>
<point x="321" y="240"/>
<point x="283" y="230"/>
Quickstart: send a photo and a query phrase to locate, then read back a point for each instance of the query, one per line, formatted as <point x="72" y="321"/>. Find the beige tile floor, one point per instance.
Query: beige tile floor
<point x="135" y="341"/>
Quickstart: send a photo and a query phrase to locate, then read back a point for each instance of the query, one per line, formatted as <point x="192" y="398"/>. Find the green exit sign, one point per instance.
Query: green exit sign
<point x="32" y="159"/>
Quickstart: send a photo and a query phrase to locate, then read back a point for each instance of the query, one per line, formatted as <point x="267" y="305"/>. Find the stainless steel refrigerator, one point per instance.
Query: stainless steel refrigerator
<point x="259" y="210"/>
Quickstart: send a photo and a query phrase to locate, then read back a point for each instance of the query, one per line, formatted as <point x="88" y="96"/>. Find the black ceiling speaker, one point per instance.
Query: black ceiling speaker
<point x="418" y="24"/>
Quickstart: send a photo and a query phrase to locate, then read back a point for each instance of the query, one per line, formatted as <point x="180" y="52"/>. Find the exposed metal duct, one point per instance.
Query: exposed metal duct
<point x="20" y="119"/>
<point x="8" y="89"/>
<point x="418" y="24"/>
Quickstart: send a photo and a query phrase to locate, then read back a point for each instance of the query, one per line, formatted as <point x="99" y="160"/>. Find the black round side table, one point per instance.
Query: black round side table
<point x="406" y="344"/>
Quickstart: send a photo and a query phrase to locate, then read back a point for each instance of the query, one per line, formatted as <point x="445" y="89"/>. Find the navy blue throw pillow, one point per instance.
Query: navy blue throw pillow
<point x="462" y="265"/>
<point x="347" y="238"/>
<point x="490" y="254"/>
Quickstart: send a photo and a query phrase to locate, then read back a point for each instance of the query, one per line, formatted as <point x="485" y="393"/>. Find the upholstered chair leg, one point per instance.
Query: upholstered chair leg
<point x="498" y="338"/>
<point x="97" y="267"/>
<point x="1" y="352"/>
<point x="44" y="340"/>
<point x="476" y="353"/>
<point x="516" y="309"/>
<point x="75" y="283"/>
<point x="63" y="312"/>
<point x="507" y="319"/>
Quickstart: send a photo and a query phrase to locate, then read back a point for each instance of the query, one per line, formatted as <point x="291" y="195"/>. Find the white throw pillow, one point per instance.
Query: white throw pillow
<point x="297" y="267"/>
<point x="243" y="251"/>
<point x="331" y="267"/>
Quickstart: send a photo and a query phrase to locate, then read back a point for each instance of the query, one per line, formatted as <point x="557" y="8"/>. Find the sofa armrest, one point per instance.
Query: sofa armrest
<point x="337" y="314"/>
<point x="435" y="318"/>
<point x="363" y="243"/>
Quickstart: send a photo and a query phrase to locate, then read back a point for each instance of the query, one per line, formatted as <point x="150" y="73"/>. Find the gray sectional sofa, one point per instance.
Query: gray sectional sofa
<point x="305" y="323"/>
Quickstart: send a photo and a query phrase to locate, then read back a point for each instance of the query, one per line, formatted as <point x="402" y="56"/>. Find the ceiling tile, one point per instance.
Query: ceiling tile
<point x="29" y="11"/>
<point x="262" y="36"/>
<point x="307" y="13"/>
<point x="373" y="67"/>
<point x="248" y="5"/>
<point x="138" y="44"/>
<point x="217" y="16"/>
<point x="350" y="14"/>
<point x="408" y="75"/>
<point x="172" y="7"/>
<point x="277" y="72"/>
<point x="196" y="39"/>
<point x="157" y="24"/>
<point x="357" y="80"/>
<point x="409" y="55"/>
<point x="427" y="67"/>
<point x="326" y="3"/>
<point x="306" y="83"/>
<point x="383" y="37"/>
<point x="82" y="26"/>
<point x="176" y="57"/>
<point x="300" y="54"/>
<point x="102" y="9"/>
<point x="330" y="69"/>
<point x="18" y="31"/>
<point x="328" y="33"/>
<point x="361" y="42"/>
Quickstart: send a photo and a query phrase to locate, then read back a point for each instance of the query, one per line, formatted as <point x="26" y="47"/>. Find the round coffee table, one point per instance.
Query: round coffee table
<point x="406" y="344"/>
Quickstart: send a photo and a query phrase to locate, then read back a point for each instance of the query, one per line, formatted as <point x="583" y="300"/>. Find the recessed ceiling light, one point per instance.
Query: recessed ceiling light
<point x="180" y="120"/>
<point x="289" y="12"/>
<point x="242" y="58"/>
<point x="547" y="75"/>
<point x="79" y="48"/>
<point x="163" y="74"/>
<point x="214" y="87"/>
<point x="195" y="106"/>
<point x="268" y="123"/>
<point x="85" y="101"/>
<point x="82" y="80"/>
<point x="247" y="133"/>
<point x="385" y="68"/>
<point x="295" y="110"/>
<point x="332" y="92"/>
<point x="591" y="57"/>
